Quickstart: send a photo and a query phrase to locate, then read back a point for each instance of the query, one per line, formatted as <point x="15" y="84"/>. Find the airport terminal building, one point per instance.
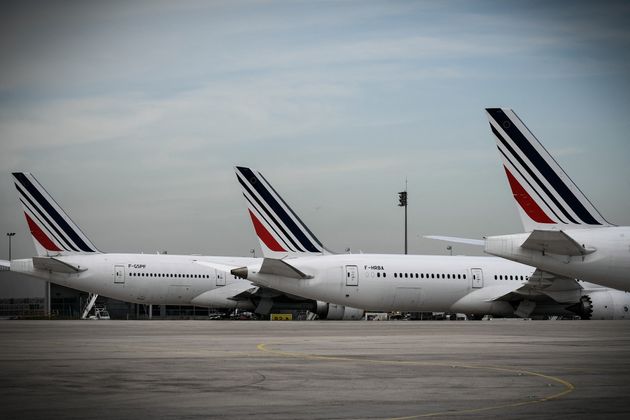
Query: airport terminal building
<point x="25" y="297"/>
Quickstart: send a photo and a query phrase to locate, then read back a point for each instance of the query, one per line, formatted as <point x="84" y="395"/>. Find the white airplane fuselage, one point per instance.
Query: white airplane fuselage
<point x="377" y="282"/>
<point x="608" y="265"/>
<point x="139" y="278"/>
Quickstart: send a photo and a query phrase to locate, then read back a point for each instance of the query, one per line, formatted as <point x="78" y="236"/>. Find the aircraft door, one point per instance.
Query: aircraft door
<point x="352" y="275"/>
<point x="119" y="274"/>
<point x="220" y="278"/>
<point x="477" y="278"/>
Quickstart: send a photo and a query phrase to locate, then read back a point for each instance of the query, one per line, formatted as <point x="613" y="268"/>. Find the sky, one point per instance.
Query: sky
<point x="133" y="114"/>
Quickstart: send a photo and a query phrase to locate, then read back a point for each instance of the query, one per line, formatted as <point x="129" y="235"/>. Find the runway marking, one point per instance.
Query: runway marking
<point x="568" y="386"/>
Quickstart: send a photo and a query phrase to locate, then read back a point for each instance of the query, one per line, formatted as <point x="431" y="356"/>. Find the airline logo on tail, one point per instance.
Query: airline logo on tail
<point x="547" y="197"/>
<point x="279" y="229"/>
<point x="54" y="233"/>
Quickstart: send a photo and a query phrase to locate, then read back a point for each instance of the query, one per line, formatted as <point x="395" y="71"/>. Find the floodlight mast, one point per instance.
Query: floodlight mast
<point x="10" y="235"/>
<point x="402" y="202"/>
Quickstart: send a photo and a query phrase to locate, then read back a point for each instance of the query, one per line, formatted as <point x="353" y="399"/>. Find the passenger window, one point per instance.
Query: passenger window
<point x="396" y="275"/>
<point x="384" y="274"/>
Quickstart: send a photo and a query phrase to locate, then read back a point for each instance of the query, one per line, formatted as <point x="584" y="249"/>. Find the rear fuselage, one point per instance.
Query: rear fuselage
<point x="139" y="278"/>
<point x="608" y="265"/>
<point x="378" y="282"/>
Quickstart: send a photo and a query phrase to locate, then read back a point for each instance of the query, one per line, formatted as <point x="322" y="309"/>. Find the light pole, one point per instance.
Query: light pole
<point x="402" y="202"/>
<point x="10" y="235"/>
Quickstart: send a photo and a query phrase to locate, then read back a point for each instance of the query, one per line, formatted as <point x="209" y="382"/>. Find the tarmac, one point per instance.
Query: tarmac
<point x="509" y="369"/>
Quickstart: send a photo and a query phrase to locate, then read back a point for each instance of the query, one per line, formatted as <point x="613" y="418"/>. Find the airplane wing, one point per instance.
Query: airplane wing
<point x="53" y="264"/>
<point x="230" y="292"/>
<point x="467" y="241"/>
<point x="559" y="288"/>
<point x="554" y="242"/>
<point x="5" y="265"/>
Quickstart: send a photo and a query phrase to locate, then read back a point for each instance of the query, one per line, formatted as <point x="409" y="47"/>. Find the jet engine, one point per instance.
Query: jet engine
<point x="603" y="304"/>
<point x="338" y="312"/>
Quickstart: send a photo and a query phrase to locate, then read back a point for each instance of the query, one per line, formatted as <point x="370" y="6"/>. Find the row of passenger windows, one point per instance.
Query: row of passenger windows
<point x="430" y="276"/>
<point x="421" y="275"/>
<point x="506" y="277"/>
<point x="188" y="276"/>
<point x="378" y="274"/>
<point x="447" y="276"/>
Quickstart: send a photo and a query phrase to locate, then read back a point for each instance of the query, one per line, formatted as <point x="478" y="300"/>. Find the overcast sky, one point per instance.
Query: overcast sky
<point x="133" y="114"/>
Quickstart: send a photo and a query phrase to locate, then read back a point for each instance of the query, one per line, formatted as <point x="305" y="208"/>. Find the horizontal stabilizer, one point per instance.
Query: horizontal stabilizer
<point x="5" y="265"/>
<point x="554" y="242"/>
<point x="281" y="268"/>
<point x="467" y="241"/>
<point x="53" y="264"/>
<point x="220" y="267"/>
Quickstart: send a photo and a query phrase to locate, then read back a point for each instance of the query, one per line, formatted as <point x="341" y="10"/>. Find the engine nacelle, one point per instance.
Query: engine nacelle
<point x="332" y="311"/>
<point x="603" y="304"/>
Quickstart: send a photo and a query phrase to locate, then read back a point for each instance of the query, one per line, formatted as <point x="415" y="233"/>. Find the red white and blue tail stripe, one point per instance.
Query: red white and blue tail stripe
<point x="548" y="199"/>
<point x="279" y="229"/>
<point x="54" y="233"/>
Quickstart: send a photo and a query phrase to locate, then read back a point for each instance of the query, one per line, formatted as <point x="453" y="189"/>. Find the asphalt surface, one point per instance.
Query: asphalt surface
<point x="314" y="370"/>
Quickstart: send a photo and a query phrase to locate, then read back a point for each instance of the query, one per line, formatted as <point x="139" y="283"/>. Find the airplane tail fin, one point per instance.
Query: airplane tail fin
<point x="280" y="231"/>
<point x="547" y="198"/>
<point x="53" y="232"/>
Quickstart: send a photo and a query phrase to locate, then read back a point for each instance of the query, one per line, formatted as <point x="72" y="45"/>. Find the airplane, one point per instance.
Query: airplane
<point x="296" y="262"/>
<point x="66" y="256"/>
<point x="564" y="233"/>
